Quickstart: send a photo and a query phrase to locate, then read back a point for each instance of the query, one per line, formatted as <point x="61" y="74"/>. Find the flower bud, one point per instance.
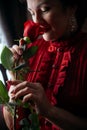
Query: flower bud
<point x="27" y="39"/>
<point x="21" y="42"/>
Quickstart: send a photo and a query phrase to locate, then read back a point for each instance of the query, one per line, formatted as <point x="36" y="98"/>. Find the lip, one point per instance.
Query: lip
<point x="45" y="28"/>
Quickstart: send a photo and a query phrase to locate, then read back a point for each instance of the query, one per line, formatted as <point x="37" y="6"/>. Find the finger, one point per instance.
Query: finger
<point x="22" y="92"/>
<point x="17" y="49"/>
<point x="24" y="84"/>
<point x="35" y="86"/>
<point x="20" y="85"/>
<point x="13" y="82"/>
<point x="28" y="98"/>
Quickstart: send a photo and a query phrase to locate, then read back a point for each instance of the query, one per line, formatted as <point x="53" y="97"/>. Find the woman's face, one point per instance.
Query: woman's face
<point x="51" y="16"/>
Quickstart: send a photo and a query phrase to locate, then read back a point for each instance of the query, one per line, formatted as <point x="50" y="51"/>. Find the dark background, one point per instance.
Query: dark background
<point x="13" y="14"/>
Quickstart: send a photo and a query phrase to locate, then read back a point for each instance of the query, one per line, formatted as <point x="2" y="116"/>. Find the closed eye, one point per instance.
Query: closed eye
<point x="45" y="9"/>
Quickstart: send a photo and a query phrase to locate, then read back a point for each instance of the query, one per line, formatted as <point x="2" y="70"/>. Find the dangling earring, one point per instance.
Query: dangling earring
<point x="73" y="24"/>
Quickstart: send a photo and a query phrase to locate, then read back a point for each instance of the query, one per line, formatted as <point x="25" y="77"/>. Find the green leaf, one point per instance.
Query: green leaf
<point x="34" y="120"/>
<point x="24" y="122"/>
<point x="1" y="102"/>
<point x="26" y="105"/>
<point x="18" y="102"/>
<point x="3" y="93"/>
<point x="30" y="52"/>
<point x="26" y="128"/>
<point x="7" y="58"/>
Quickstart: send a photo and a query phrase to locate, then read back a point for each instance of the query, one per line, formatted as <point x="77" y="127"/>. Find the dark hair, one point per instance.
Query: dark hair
<point x="81" y="12"/>
<point x="23" y="1"/>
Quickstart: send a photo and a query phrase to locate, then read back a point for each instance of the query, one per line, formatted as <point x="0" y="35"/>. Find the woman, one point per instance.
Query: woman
<point x="62" y="61"/>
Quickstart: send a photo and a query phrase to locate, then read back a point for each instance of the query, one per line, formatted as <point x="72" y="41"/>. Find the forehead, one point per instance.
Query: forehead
<point x="36" y="3"/>
<point x="40" y="1"/>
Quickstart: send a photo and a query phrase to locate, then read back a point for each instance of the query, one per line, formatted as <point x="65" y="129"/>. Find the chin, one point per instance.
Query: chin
<point x="49" y="38"/>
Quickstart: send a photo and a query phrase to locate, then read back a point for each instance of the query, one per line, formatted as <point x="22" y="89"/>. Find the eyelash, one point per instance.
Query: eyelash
<point x="45" y="9"/>
<point x="31" y="12"/>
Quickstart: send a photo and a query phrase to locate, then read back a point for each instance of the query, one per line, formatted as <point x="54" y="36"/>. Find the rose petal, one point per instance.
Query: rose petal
<point x="32" y="30"/>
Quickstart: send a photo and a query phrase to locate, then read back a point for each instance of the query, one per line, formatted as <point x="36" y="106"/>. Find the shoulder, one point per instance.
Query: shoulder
<point x="82" y="47"/>
<point x="83" y="38"/>
<point x="82" y="42"/>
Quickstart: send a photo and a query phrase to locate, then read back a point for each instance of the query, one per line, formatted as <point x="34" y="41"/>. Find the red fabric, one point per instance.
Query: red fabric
<point x="63" y="73"/>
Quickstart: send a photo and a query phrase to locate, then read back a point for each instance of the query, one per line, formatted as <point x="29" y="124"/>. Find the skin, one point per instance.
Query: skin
<point x="50" y="15"/>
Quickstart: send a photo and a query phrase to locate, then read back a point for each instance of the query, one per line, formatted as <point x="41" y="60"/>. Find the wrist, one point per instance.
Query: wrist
<point x="49" y="112"/>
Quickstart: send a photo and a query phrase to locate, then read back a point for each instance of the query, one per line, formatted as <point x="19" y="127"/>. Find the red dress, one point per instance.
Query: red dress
<point x="61" y="67"/>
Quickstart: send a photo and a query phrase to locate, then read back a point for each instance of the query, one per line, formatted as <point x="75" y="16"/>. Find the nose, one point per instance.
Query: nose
<point x="37" y="18"/>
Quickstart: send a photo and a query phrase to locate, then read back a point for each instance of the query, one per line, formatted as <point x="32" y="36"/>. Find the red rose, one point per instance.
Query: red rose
<point x="32" y="30"/>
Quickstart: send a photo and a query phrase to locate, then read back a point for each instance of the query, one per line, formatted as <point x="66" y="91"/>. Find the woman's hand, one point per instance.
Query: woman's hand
<point x="31" y="92"/>
<point x="17" y="51"/>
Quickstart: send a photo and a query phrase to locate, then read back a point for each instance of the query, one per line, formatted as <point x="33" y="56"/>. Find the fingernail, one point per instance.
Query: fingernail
<point x="12" y="96"/>
<point x="13" y="92"/>
<point x="20" y="52"/>
<point x="9" y="82"/>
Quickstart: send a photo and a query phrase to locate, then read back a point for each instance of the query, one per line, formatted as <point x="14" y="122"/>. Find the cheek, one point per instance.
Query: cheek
<point x="56" y="20"/>
<point x="58" y="29"/>
<point x="59" y="23"/>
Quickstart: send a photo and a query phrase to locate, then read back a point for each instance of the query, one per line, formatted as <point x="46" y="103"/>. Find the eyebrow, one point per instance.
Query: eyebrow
<point x="39" y="4"/>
